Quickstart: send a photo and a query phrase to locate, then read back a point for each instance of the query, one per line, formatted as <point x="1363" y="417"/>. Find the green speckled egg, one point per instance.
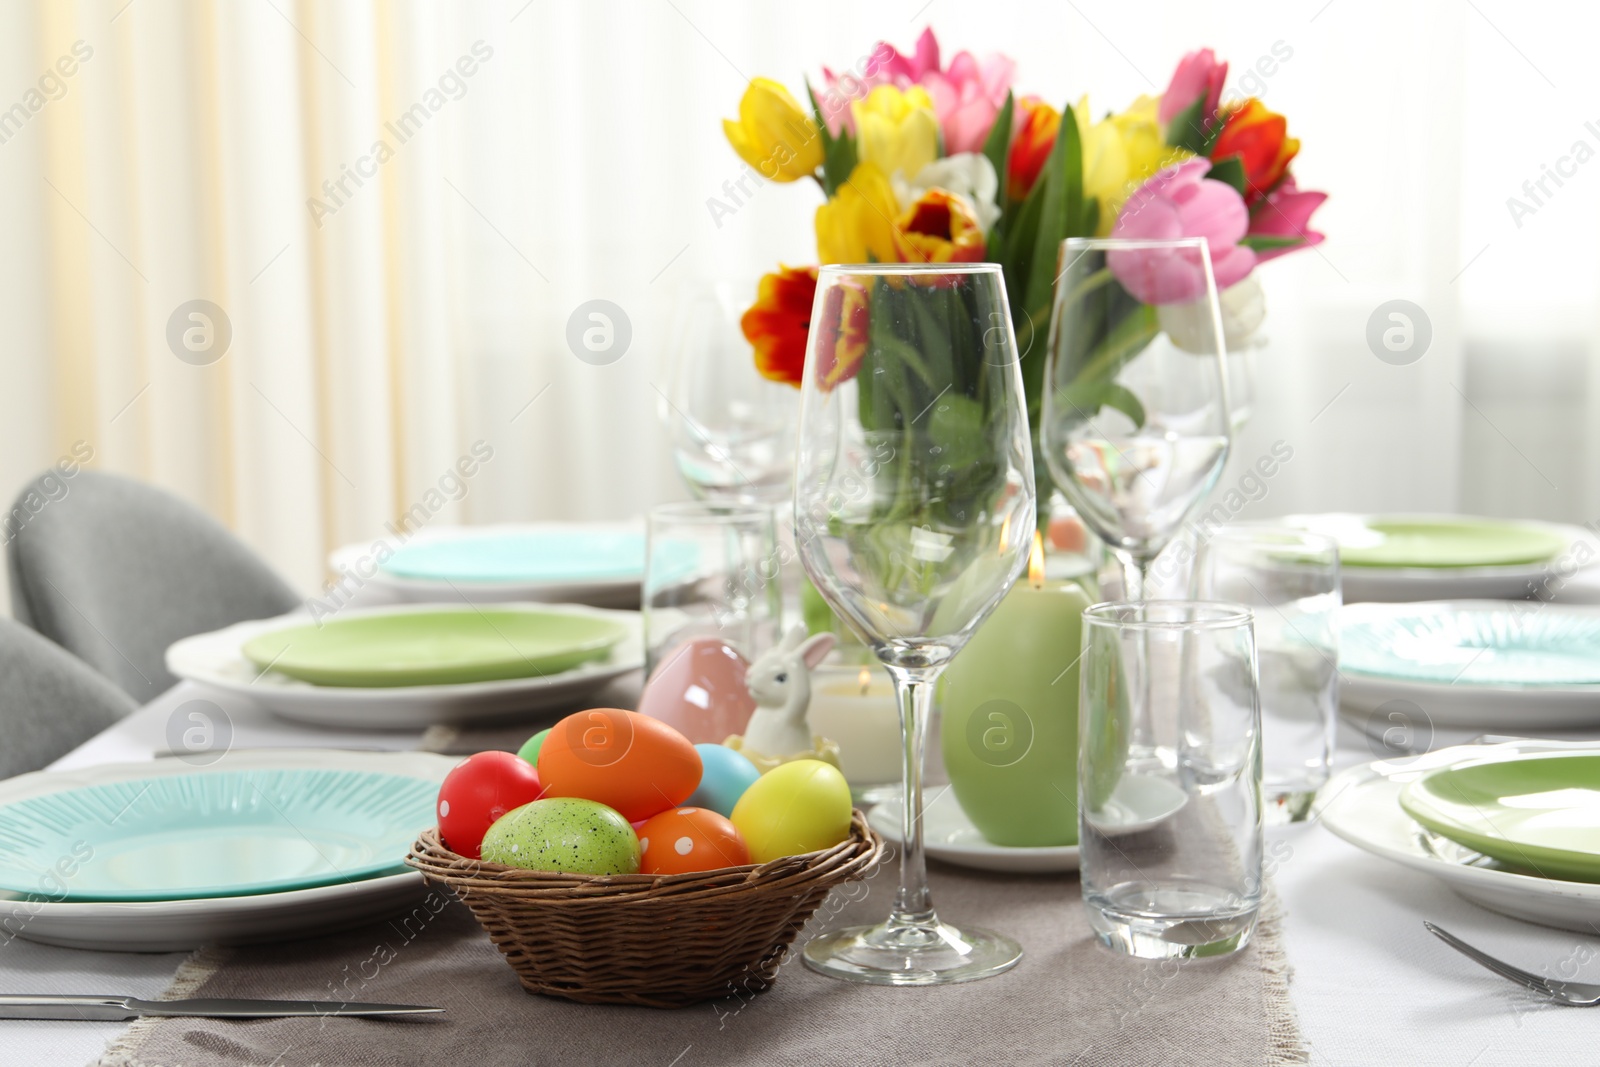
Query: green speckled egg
<point x="564" y="834"/>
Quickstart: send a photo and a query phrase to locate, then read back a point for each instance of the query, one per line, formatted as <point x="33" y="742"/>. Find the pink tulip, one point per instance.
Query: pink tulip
<point x="967" y="95"/>
<point x="1198" y="75"/>
<point x="1286" y="212"/>
<point x="910" y="70"/>
<point x="1181" y="201"/>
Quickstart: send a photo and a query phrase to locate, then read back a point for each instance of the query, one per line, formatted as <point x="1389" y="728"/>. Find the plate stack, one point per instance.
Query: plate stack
<point x="167" y="855"/>
<point x="411" y="666"/>
<point x="1398" y="558"/>
<point x="599" y="564"/>
<point x="1514" y="826"/>
<point x="1502" y="665"/>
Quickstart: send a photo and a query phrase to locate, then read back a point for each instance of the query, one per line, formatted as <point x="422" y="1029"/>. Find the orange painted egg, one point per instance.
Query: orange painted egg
<point x="630" y="762"/>
<point x="681" y="840"/>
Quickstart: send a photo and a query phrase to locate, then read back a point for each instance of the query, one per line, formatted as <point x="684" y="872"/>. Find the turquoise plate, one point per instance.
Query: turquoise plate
<point x="212" y="834"/>
<point x="534" y="556"/>
<point x="1510" y="643"/>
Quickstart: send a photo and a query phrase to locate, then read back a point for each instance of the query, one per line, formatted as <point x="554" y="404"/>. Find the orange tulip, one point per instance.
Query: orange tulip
<point x="777" y="323"/>
<point x="939" y="228"/>
<point x="1260" y="138"/>
<point x="1031" y="145"/>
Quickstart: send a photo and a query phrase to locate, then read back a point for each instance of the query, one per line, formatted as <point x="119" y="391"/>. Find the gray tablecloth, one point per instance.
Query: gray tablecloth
<point x="1070" y="1001"/>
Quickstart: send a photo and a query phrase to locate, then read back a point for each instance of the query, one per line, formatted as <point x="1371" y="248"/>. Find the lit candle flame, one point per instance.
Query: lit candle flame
<point x="1036" y="562"/>
<point x="865" y="679"/>
<point x="1005" y="533"/>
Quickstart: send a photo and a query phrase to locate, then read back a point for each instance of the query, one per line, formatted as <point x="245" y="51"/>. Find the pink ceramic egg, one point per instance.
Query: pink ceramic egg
<point x="698" y="689"/>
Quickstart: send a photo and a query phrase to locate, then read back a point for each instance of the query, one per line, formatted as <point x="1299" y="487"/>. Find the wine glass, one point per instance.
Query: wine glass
<point x="914" y="514"/>
<point x="1136" y="421"/>
<point x="732" y="430"/>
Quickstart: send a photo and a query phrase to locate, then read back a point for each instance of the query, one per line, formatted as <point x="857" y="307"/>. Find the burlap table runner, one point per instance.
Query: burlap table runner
<point x="1070" y="1001"/>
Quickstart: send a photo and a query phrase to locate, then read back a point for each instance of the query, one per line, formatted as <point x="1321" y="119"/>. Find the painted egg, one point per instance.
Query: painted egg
<point x="681" y="840"/>
<point x="797" y="807"/>
<point x="478" y="791"/>
<point x="631" y="762"/>
<point x="530" y="748"/>
<point x="724" y="777"/>
<point x="564" y="834"/>
<point x="698" y="689"/>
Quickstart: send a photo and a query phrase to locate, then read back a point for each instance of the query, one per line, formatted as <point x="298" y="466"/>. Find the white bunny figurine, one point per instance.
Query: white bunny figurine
<point x="780" y="682"/>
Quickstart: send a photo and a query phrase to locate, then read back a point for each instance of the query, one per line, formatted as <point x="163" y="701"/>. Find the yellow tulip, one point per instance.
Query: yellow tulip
<point x="1120" y="152"/>
<point x="896" y="130"/>
<point x="773" y="134"/>
<point x="858" y="223"/>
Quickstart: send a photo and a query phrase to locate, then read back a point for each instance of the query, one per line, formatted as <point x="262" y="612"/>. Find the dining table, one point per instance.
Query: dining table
<point x="1368" y="983"/>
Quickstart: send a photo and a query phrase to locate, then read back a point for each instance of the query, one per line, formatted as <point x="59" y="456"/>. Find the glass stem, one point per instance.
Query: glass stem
<point x="913" y="906"/>
<point x="1135" y="576"/>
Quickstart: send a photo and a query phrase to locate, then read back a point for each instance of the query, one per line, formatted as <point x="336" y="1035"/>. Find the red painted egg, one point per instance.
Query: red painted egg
<point x="478" y="791"/>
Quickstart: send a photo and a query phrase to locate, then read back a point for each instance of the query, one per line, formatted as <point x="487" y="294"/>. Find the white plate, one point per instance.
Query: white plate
<point x="1362" y="805"/>
<point x="1377" y="704"/>
<point x="360" y="561"/>
<point x="949" y="835"/>
<point x="178" y="925"/>
<point x="216" y="659"/>
<point x="1138" y="804"/>
<point x="1400" y="584"/>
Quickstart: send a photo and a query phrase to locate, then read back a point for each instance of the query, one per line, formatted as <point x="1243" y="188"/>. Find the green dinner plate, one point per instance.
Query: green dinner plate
<point x="212" y="834"/>
<point x="435" y="647"/>
<point x="1539" y="814"/>
<point x="1398" y="541"/>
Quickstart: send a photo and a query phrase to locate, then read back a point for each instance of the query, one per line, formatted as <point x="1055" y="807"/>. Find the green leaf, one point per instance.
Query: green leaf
<point x="997" y="147"/>
<point x="1230" y="171"/>
<point x="1021" y="234"/>
<point x="1061" y="212"/>
<point x="816" y="114"/>
<point x="1090" y="223"/>
<point x="1265" y="243"/>
<point x="933" y="333"/>
<point x="1085" y="398"/>
<point x="1194" y="129"/>
<point x="838" y="163"/>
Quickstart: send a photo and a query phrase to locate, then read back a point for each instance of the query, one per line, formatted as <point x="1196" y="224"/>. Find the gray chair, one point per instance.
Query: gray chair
<point x="114" y="571"/>
<point x="50" y="701"/>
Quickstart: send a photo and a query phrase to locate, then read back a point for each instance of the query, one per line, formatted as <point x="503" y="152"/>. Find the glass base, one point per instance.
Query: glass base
<point x="885" y="955"/>
<point x="1280" y="809"/>
<point x="1173" y="922"/>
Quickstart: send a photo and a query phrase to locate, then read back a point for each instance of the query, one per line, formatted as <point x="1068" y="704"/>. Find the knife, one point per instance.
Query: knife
<point x="117" y="1009"/>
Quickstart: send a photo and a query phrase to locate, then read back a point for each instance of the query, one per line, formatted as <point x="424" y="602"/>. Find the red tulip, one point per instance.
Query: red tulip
<point x="1031" y="146"/>
<point x="1260" y="138"/>
<point x="777" y="323"/>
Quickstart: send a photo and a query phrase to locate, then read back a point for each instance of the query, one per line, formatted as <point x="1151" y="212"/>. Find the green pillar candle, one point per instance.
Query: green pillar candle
<point x="1010" y="715"/>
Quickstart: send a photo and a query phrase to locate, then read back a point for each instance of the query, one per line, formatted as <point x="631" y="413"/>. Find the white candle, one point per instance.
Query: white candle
<point x="855" y="708"/>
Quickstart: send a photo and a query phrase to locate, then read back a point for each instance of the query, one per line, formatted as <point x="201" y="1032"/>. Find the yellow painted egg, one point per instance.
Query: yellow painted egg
<point x="798" y="807"/>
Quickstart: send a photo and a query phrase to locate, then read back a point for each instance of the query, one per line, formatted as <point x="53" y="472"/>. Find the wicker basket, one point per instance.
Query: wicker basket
<point x="660" y="941"/>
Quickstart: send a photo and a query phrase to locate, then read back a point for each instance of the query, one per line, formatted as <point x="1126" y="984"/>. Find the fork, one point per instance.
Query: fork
<point x="1575" y="994"/>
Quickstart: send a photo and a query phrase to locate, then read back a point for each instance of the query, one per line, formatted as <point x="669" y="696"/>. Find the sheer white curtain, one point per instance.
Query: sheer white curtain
<point x="399" y="206"/>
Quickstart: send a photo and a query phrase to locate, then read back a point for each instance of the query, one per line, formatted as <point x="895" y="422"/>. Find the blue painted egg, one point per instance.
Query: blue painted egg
<point x="724" y="776"/>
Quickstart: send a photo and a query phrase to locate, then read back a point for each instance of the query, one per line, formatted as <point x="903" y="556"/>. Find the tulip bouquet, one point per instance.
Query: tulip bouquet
<point x="919" y="161"/>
